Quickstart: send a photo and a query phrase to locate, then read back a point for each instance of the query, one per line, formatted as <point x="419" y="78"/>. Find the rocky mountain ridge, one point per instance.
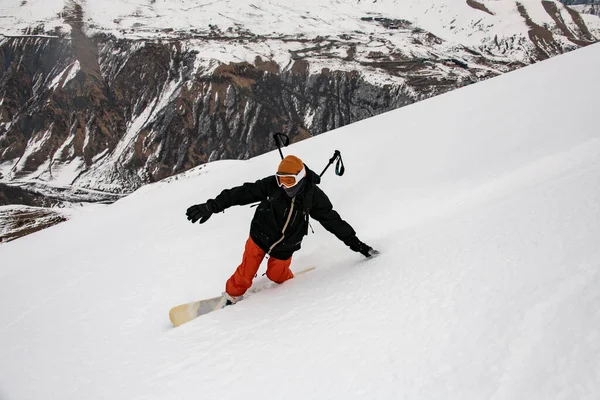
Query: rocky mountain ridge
<point x="593" y="9"/>
<point x="584" y="6"/>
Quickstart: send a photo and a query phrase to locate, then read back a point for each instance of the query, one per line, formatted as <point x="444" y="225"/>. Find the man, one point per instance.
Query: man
<point x="280" y="222"/>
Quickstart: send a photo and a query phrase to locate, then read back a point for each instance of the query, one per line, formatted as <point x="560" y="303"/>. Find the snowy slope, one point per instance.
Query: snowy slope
<point x="488" y="285"/>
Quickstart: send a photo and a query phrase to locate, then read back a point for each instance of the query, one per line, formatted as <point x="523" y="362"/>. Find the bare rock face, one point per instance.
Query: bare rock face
<point x="141" y="113"/>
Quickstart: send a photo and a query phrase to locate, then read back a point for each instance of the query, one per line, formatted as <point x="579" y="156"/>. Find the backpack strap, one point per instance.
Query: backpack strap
<point x="308" y="199"/>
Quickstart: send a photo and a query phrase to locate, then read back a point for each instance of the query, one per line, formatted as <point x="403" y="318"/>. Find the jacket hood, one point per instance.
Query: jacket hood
<point x="311" y="176"/>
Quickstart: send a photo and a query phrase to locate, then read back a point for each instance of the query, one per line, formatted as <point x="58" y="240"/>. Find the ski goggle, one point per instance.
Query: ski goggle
<point x="289" y="180"/>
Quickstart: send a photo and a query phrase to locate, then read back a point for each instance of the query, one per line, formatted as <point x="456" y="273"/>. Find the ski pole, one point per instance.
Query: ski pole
<point x="285" y="140"/>
<point x="282" y="139"/>
<point x="339" y="166"/>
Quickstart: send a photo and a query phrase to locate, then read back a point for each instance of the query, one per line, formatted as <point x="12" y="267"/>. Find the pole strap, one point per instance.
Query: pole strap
<point x="339" y="164"/>
<point x="281" y="139"/>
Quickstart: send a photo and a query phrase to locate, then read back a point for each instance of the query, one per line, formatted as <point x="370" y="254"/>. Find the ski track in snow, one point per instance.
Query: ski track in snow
<point x="487" y="217"/>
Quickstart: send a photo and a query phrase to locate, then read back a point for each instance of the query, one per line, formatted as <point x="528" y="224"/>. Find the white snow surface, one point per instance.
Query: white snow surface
<point x="488" y="286"/>
<point x="19" y="15"/>
<point x="67" y="75"/>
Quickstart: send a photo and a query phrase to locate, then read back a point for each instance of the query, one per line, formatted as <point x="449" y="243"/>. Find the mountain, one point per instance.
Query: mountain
<point x="593" y="9"/>
<point x="578" y="2"/>
<point x="484" y="202"/>
<point x="107" y="96"/>
<point x="584" y="6"/>
<point x="27" y="207"/>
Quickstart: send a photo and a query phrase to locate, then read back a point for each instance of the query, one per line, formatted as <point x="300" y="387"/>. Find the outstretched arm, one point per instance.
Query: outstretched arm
<point x="247" y="193"/>
<point x="323" y="212"/>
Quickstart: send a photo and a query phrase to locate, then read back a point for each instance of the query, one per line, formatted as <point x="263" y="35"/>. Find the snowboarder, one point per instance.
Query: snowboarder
<point x="280" y="222"/>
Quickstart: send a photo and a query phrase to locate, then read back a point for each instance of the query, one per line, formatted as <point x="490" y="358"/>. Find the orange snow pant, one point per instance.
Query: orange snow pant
<point x="277" y="270"/>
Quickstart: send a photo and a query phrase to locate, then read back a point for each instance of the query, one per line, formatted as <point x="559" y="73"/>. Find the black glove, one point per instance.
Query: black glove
<point x="363" y="249"/>
<point x="201" y="212"/>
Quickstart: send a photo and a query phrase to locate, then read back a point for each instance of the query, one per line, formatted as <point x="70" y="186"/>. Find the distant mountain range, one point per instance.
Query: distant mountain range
<point x="578" y="2"/>
<point x="585" y="6"/>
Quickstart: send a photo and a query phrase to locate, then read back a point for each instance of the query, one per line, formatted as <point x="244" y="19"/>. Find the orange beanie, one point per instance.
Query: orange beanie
<point x="290" y="165"/>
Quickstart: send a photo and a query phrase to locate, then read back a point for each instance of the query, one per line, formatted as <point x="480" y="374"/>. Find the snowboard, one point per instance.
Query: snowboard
<point x="186" y="312"/>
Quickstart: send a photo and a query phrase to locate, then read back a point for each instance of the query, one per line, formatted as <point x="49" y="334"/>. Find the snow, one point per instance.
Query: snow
<point x="86" y="141"/>
<point x="34" y="144"/>
<point x="6" y="166"/>
<point x="485" y="203"/>
<point x="264" y="27"/>
<point x="19" y="15"/>
<point x="71" y="72"/>
<point x="271" y="29"/>
<point x="451" y="20"/>
<point x="64" y="173"/>
<point x="60" y="173"/>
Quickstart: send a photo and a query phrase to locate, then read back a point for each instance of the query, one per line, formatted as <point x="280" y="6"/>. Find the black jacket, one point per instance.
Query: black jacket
<point x="277" y="211"/>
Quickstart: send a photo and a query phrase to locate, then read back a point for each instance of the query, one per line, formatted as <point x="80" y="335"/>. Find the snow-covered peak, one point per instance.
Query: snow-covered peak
<point x="470" y="23"/>
<point x="22" y="16"/>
